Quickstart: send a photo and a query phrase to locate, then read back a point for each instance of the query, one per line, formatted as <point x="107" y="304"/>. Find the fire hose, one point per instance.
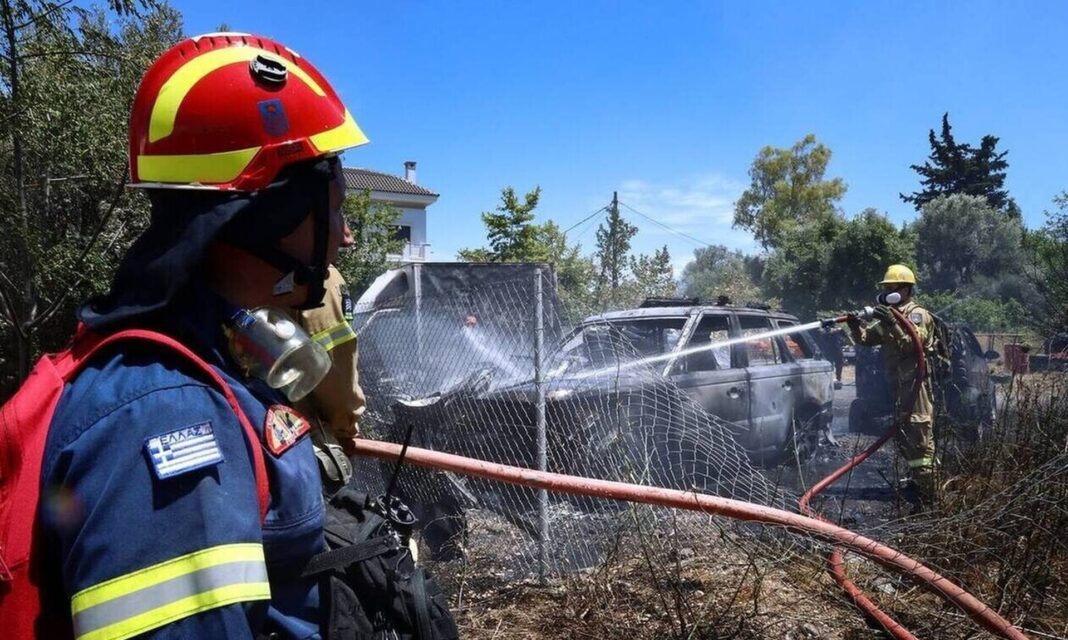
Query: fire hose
<point x="836" y="562"/>
<point x="610" y="490"/>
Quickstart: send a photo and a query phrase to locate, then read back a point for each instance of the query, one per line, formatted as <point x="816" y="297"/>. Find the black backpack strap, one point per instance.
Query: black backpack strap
<point x="421" y="604"/>
<point x="340" y="559"/>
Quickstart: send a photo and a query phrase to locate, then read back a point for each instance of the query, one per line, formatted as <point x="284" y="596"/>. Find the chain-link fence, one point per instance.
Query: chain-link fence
<point x="478" y="372"/>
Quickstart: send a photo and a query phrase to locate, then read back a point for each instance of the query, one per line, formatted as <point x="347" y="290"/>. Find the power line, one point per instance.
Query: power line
<point x="668" y="228"/>
<point x="584" y="219"/>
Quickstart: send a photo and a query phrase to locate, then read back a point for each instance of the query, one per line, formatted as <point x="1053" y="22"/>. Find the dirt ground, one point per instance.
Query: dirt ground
<point x="714" y="590"/>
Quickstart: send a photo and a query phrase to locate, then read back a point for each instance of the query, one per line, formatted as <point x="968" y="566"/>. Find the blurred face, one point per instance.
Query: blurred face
<point x="340" y="234"/>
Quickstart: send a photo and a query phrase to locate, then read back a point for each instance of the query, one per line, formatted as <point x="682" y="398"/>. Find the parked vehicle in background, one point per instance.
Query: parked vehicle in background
<point x="965" y="394"/>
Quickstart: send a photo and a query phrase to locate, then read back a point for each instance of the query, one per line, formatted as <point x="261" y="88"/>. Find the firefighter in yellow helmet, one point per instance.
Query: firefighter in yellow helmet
<point x="915" y="422"/>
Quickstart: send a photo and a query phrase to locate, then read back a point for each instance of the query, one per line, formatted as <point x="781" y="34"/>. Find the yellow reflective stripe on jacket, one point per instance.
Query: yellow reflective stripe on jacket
<point x="336" y="335"/>
<point x="921" y="462"/>
<point x="163" y="593"/>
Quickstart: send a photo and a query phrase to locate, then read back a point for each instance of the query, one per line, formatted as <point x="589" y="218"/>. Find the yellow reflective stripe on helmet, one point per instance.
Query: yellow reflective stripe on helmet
<point x="203" y="167"/>
<point x="344" y="136"/>
<point x="163" y="593"/>
<point x="178" y="86"/>
<point x="336" y="335"/>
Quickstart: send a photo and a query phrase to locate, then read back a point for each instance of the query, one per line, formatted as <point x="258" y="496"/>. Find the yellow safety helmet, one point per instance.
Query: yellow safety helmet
<point x="898" y="274"/>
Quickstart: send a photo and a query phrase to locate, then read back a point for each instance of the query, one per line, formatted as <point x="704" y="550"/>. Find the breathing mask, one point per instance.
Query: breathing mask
<point x="269" y="345"/>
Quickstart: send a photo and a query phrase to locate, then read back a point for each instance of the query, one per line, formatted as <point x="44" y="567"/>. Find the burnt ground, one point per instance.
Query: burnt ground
<point x="867" y="497"/>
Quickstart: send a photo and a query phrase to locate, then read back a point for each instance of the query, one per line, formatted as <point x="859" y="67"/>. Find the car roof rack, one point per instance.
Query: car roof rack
<point x="668" y="302"/>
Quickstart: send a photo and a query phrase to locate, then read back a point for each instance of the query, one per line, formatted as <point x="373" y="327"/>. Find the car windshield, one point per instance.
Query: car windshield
<point x="613" y="342"/>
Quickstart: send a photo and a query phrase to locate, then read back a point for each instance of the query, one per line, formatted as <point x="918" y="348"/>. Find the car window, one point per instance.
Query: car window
<point x="606" y="344"/>
<point x="711" y="330"/>
<point x="762" y="351"/>
<point x="799" y="345"/>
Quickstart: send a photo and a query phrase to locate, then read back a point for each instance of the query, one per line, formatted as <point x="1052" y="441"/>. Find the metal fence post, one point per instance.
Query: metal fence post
<point x="539" y="385"/>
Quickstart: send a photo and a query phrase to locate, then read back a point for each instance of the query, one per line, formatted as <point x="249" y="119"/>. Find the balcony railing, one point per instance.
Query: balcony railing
<point x="413" y="252"/>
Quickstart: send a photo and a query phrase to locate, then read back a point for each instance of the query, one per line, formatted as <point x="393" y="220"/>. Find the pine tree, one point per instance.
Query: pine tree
<point x="959" y="168"/>
<point x="613" y="245"/>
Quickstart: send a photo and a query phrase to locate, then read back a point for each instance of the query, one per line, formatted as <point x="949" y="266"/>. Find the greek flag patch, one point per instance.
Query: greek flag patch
<point x="185" y="449"/>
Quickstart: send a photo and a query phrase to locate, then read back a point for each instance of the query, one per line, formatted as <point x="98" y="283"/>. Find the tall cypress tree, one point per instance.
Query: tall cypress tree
<point x="613" y="245"/>
<point x="959" y="168"/>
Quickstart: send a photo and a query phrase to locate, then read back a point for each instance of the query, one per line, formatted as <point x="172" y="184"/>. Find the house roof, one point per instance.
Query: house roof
<point x="375" y="181"/>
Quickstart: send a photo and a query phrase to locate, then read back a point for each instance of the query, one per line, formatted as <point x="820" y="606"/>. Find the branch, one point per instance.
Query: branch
<point x="55" y="306"/>
<point x="44" y="14"/>
<point x="12" y="314"/>
<point x="72" y="52"/>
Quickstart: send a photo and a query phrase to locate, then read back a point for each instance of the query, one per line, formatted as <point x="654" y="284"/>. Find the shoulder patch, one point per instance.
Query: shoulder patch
<point x="916" y="317"/>
<point x="283" y="427"/>
<point x="176" y="452"/>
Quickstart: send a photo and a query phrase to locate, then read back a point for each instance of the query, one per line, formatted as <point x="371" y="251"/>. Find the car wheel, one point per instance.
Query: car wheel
<point x="803" y="440"/>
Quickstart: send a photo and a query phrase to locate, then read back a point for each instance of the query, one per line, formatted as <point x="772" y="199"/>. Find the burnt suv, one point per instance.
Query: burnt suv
<point x="616" y="382"/>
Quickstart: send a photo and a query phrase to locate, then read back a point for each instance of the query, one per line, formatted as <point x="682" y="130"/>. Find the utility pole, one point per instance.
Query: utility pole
<point x="615" y="246"/>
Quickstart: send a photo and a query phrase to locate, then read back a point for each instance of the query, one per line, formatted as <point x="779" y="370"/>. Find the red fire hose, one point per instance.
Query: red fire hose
<point x="880" y="553"/>
<point x="836" y="561"/>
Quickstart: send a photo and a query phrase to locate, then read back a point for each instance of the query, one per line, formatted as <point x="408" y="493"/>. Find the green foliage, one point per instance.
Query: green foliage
<point x="613" y="245"/>
<point x="1049" y="268"/>
<point x="788" y="191"/>
<point x="576" y="275"/>
<point x="979" y="313"/>
<point x="653" y="275"/>
<point x="717" y="271"/>
<point x="515" y="237"/>
<point x="510" y="229"/>
<point x="66" y="85"/>
<point x="372" y="225"/>
<point x="797" y="271"/>
<point x="959" y="168"/>
<point x="960" y="239"/>
<point x="859" y="254"/>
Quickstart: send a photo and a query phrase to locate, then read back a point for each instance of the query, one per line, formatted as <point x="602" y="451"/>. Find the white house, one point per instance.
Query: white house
<point x="406" y="195"/>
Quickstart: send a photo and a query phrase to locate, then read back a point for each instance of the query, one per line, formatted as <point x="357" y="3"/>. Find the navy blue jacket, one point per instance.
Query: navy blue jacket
<point x="149" y="498"/>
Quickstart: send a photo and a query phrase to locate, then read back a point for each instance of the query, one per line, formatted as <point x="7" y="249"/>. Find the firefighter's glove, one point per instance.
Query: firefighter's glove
<point x="883" y="314"/>
<point x="853" y="321"/>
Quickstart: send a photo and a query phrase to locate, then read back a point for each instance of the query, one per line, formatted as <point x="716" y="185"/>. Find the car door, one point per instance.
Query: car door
<point x="812" y="378"/>
<point x="712" y="375"/>
<point x="771" y="382"/>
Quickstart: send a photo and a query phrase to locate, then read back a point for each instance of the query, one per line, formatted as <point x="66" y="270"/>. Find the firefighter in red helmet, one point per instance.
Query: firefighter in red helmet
<point x="185" y="523"/>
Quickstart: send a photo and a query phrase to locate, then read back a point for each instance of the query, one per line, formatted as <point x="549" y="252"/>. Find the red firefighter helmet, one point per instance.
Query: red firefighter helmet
<point x="229" y="111"/>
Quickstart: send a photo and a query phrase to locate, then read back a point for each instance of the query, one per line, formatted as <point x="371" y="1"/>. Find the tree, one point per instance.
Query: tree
<point x="653" y="275"/>
<point x="788" y="190"/>
<point x="717" y="271"/>
<point x="797" y="272"/>
<point x="67" y="78"/>
<point x="859" y="254"/>
<point x="576" y="275"/>
<point x="613" y="247"/>
<point x="958" y="168"/>
<point x="961" y="240"/>
<point x="1049" y="268"/>
<point x="510" y="229"/>
<point x="372" y="225"/>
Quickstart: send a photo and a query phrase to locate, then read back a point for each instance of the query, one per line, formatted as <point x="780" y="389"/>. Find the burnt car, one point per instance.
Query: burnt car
<point x="630" y="381"/>
<point x="964" y="391"/>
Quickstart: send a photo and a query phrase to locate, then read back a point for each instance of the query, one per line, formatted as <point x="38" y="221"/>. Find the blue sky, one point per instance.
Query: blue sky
<point x="668" y="103"/>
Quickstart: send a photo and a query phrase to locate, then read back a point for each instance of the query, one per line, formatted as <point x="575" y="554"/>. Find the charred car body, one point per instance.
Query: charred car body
<point x="623" y="389"/>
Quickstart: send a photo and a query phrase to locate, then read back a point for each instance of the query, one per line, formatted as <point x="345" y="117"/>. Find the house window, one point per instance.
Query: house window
<point x="402" y="232"/>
